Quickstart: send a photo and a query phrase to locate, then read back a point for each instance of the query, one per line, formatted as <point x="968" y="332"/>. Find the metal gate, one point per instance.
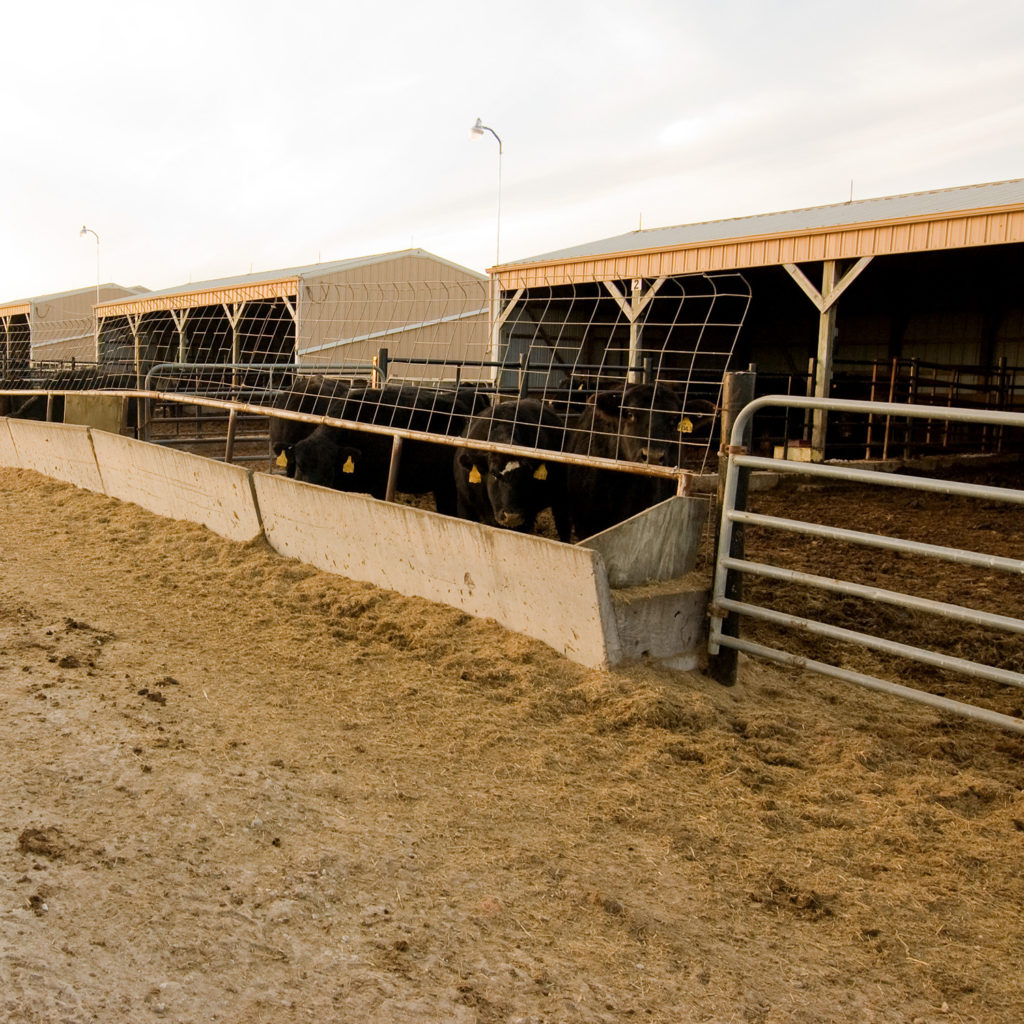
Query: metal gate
<point x="727" y="606"/>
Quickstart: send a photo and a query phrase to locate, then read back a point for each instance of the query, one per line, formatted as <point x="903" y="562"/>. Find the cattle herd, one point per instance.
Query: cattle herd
<point x="642" y="423"/>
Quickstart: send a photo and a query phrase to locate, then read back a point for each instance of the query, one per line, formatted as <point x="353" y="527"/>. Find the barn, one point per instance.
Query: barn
<point x="912" y="298"/>
<point x="54" y="328"/>
<point x="426" y="311"/>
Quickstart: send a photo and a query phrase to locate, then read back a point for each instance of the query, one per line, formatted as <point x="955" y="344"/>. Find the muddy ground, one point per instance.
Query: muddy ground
<point x="238" y="789"/>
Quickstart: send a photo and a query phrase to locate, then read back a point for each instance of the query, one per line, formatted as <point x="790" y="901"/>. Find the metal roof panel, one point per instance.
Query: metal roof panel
<point x="860" y="211"/>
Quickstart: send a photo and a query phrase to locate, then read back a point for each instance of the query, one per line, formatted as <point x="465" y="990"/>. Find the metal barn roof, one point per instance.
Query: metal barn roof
<point x="261" y="285"/>
<point x="945" y="218"/>
<point x="24" y="305"/>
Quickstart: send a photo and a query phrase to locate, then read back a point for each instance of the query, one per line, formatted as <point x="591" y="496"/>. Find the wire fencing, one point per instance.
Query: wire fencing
<point x="631" y="369"/>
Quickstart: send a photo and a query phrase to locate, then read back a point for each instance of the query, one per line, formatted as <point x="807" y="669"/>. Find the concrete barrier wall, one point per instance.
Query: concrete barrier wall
<point x="8" y="453"/>
<point x="553" y="592"/>
<point x="59" y="450"/>
<point x="178" y="485"/>
<point x="556" y="593"/>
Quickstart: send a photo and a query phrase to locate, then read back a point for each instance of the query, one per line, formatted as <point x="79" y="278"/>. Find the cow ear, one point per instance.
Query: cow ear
<point x="465" y="458"/>
<point x="608" y="404"/>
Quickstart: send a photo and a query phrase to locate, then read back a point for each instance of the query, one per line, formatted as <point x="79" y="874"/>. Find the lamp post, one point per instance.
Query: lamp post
<point x="477" y="130"/>
<point x="81" y="234"/>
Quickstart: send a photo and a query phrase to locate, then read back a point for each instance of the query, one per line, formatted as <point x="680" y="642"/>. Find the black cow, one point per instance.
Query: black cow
<point x="355" y="460"/>
<point x="640" y="423"/>
<point x="314" y="395"/>
<point x="509" y="490"/>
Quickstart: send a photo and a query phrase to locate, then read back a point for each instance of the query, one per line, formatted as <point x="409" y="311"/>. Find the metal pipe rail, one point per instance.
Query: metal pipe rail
<point x="684" y="478"/>
<point x="731" y="517"/>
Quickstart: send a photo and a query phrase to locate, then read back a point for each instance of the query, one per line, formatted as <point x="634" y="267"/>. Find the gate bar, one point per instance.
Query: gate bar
<point x="875" y="643"/>
<point x="883" y="686"/>
<point x="876" y="540"/>
<point x="921" y="604"/>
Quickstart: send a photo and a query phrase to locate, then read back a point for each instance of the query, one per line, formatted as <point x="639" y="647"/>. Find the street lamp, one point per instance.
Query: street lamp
<point x="475" y="132"/>
<point x="81" y="234"/>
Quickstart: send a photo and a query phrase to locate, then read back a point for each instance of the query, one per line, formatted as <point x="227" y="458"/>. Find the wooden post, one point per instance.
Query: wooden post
<point x="812" y="365"/>
<point x="396" y="459"/>
<point x="826" y="340"/>
<point x="379" y="375"/>
<point x="229" y="447"/>
<point x="888" y="418"/>
<point x="908" y="437"/>
<point x="738" y="392"/>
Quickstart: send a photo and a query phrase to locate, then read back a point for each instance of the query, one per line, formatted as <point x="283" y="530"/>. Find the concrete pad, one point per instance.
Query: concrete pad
<point x="178" y="485"/>
<point x="8" y="453"/>
<point x="104" y="412"/>
<point x="660" y="543"/>
<point x="59" y="450"/>
<point x="556" y="593"/>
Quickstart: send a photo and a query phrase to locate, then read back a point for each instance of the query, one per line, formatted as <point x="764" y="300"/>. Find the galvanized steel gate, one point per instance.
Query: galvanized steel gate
<point x="726" y="609"/>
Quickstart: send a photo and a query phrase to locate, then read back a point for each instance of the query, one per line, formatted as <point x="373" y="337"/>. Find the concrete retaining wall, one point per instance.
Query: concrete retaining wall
<point x="553" y="592"/>
<point x="556" y="593"/>
<point x="59" y="450"/>
<point x="178" y="485"/>
<point x="8" y="453"/>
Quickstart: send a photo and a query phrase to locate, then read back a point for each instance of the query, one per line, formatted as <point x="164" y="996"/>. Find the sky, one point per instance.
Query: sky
<point x="205" y="140"/>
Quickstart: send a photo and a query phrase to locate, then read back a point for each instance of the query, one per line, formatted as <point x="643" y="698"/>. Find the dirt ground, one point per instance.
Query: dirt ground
<point x="238" y="789"/>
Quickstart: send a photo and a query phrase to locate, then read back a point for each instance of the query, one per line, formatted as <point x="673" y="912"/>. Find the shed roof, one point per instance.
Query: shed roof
<point x="24" y="306"/>
<point x="265" y="284"/>
<point x="944" y="218"/>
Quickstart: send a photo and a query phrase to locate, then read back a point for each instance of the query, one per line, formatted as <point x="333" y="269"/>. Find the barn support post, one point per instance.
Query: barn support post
<point x="632" y="308"/>
<point x="294" y="311"/>
<point x="6" y="320"/>
<point x="142" y="405"/>
<point x="825" y="299"/>
<point x="826" y="345"/>
<point x="234" y="314"/>
<point x="180" y="318"/>
<point x="498" y="318"/>
<point x="737" y="393"/>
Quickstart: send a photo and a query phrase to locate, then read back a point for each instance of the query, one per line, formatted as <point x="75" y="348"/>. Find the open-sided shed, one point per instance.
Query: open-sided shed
<point x="932" y="277"/>
<point x="53" y="328"/>
<point x="415" y="304"/>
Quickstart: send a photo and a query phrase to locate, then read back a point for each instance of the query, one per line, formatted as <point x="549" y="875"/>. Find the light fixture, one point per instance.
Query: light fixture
<point x="81" y="234"/>
<point x="476" y="131"/>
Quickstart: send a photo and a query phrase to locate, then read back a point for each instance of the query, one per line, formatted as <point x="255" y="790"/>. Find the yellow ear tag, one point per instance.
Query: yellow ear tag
<point x="686" y="425"/>
<point x="541" y="472"/>
<point x="348" y="466"/>
<point x="474" y="476"/>
<point x="282" y="460"/>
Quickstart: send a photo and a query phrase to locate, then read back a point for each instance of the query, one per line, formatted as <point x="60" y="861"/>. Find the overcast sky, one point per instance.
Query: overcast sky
<point x="202" y="140"/>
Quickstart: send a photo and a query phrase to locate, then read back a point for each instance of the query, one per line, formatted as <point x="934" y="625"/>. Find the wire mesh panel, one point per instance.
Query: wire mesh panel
<point x="619" y="373"/>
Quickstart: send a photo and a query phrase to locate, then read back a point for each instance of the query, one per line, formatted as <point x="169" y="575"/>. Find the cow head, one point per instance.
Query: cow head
<point x="515" y="488"/>
<point x="647" y="419"/>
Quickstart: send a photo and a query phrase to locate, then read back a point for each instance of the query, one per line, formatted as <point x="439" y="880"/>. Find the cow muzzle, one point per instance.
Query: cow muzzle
<point x="509" y="520"/>
<point x="653" y="456"/>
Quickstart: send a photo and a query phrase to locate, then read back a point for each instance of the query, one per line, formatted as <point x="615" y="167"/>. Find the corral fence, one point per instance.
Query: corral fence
<point x="231" y="361"/>
<point x="728" y="607"/>
<point x="901" y="381"/>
